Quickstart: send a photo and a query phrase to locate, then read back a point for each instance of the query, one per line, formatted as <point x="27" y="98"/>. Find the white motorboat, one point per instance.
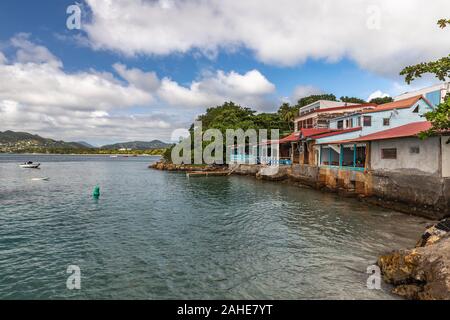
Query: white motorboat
<point x="41" y="179"/>
<point x="30" y="165"/>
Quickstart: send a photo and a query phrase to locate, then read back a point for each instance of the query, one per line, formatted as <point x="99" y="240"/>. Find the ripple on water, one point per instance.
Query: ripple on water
<point x="159" y="235"/>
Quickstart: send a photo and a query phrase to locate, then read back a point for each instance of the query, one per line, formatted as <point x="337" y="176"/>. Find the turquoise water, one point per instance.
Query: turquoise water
<point x="159" y="235"/>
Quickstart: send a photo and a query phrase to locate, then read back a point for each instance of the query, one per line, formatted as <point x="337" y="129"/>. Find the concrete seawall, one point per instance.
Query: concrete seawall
<point x="407" y="191"/>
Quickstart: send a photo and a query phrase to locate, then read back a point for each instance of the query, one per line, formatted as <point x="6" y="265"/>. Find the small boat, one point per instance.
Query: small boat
<point x="30" y="165"/>
<point x="41" y="179"/>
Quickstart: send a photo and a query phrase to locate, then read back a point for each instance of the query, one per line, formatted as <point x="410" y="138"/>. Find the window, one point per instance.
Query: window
<point x="348" y="123"/>
<point x="386" y="121"/>
<point x="416" y="110"/>
<point x="390" y="153"/>
<point x="340" y="124"/>
<point x="367" y="121"/>
<point x="359" y="121"/>
<point x="414" y="150"/>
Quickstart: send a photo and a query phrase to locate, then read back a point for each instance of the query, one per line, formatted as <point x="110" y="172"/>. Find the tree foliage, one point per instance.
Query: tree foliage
<point x="440" y="116"/>
<point x="440" y="68"/>
<point x="352" y="100"/>
<point x="313" y="98"/>
<point x="442" y="23"/>
<point x="381" y="100"/>
<point x="287" y="113"/>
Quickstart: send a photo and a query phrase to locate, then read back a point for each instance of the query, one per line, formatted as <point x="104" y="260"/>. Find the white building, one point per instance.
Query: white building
<point x="383" y="117"/>
<point x="435" y="94"/>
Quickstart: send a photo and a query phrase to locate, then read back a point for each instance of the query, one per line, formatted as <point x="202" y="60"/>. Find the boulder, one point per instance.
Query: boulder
<point x="423" y="272"/>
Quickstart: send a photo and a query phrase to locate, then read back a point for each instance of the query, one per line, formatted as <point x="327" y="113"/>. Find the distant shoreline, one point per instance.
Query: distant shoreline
<point x="83" y="154"/>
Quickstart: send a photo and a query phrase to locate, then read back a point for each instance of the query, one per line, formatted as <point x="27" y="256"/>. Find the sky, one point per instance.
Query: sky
<point x="140" y="69"/>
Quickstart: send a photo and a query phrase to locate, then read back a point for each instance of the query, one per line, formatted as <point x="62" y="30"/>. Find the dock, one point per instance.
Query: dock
<point x="207" y="173"/>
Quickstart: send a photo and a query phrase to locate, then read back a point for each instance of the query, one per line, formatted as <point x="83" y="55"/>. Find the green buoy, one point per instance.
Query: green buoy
<point x="96" y="193"/>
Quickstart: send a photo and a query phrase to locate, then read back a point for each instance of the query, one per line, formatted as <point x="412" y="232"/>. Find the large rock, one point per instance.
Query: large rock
<point x="423" y="272"/>
<point x="273" y="173"/>
<point x="168" y="166"/>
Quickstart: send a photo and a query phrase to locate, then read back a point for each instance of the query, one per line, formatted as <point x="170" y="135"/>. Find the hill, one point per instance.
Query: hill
<point x="137" y="145"/>
<point x="11" y="141"/>
<point x="85" y="144"/>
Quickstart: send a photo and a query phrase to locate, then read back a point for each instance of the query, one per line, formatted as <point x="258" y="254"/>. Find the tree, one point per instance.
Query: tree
<point x="442" y="23"/>
<point x="313" y="98"/>
<point x="352" y="100"/>
<point x="381" y="100"/>
<point x="440" y="68"/>
<point x="440" y="116"/>
<point x="287" y="113"/>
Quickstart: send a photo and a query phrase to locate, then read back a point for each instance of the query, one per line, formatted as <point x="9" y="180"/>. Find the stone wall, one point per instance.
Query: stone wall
<point x="409" y="191"/>
<point x="305" y="174"/>
<point x="412" y="192"/>
<point x="245" y="169"/>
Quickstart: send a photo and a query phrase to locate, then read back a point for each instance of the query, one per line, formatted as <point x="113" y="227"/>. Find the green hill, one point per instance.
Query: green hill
<point x="137" y="145"/>
<point x="16" y="141"/>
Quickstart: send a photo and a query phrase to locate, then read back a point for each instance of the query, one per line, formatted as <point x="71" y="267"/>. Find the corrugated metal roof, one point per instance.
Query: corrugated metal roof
<point x="407" y="130"/>
<point x="400" y="104"/>
<point x="337" y="132"/>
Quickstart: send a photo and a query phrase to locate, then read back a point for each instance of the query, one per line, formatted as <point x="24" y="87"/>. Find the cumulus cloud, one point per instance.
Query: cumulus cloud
<point x="249" y="89"/>
<point x="38" y="95"/>
<point x="142" y="80"/>
<point x="381" y="36"/>
<point x="304" y="91"/>
<point x="3" y="58"/>
<point x="377" y="94"/>
<point x="28" y="51"/>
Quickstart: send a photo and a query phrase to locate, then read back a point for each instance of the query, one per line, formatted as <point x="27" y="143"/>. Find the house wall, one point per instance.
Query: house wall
<point x="354" y="118"/>
<point x="426" y="161"/>
<point x="445" y="147"/>
<point x="399" y="118"/>
<point x="404" y="116"/>
<point x="435" y="94"/>
<point x="340" y="137"/>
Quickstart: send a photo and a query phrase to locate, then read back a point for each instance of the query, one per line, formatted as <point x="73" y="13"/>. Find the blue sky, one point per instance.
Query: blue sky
<point x="258" y="58"/>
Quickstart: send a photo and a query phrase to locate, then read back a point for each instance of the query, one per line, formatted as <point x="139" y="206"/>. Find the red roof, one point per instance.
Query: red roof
<point x="312" y="132"/>
<point x="337" y="132"/>
<point x="303" y="133"/>
<point x="408" y="130"/>
<point x="356" y="106"/>
<point x="400" y="104"/>
<point x="290" y="138"/>
<point x="364" y="105"/>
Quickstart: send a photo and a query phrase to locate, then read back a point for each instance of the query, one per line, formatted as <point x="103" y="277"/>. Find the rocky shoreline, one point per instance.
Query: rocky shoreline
<point x="166" y="166"/>
<point x="421" y="273"/>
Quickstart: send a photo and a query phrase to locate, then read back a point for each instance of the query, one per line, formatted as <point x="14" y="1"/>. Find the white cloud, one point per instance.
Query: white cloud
<point x="249" y="89"/>
<point x="377" y="94"/>
<point x="381" y="36"/>
<point x="38" y="95"/>
<point x="304" y="91"/>
<point x="3" y="59"/>
<point x="142" y="80"/>
<point x="28" y="52"/>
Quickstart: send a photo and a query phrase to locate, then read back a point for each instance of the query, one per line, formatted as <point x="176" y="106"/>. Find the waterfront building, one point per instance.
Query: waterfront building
<point x="383" y="117"/>
<point x="435" y="94"/>
<point x="319" y="113"/>
<point x="392" y="164"/>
